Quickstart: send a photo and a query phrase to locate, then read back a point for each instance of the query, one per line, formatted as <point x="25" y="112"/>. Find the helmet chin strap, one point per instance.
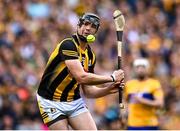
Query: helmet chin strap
<point x="82" y="38"/>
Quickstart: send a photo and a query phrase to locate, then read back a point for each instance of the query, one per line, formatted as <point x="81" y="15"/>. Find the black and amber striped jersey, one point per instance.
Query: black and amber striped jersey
<point x="57" y="83"/>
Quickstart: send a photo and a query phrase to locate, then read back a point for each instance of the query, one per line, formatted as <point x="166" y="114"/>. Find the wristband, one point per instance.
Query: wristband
<point x="113" y="79"/>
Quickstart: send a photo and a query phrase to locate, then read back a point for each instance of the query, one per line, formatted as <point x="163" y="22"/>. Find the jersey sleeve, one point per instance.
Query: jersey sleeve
<point x="158" y="92"/>
<point x="68" y="50"/>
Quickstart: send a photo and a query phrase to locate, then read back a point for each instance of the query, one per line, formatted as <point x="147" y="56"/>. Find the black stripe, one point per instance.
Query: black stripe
<point x="117" y="16"/>
<point x="82" y="107"/>
<point x="52" y="66"/>
<point x="45" y="116"/>
<point x="43" y="113"/>
<point x="76" y="93"/>
<point x="119" y="62"/>
<point x="61" y="76"/>
<point x="76" y="39"/>
<point x="119" y="35"/>
<point x="120" y="89"/>
<point x="61" y="117"/>
<point x="43" y="87"/>
<point x="67" y="89"/>
<point x="90" y="54"/>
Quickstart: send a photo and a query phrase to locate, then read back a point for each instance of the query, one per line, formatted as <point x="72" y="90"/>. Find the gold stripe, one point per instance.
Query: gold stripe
<point x="86" y="61"/>
<point x="64" y="52"/>
<point x="53" y="55"/>
<point x="93" y="60"/>
<point x="71" y="93"/>
<point x="72" y="55"/>
<point x="70" y="51"/>
<point x="61" y="87"/>
<point x="47" y="119"/>
<point x="75" y="54"/>
<point x="80" y="57"/>
<point x="58" y="70"/>
<point x="56" y="99"/>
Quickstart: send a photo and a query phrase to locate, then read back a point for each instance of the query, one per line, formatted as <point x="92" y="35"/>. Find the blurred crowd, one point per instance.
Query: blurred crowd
<point x="30" y="30"/>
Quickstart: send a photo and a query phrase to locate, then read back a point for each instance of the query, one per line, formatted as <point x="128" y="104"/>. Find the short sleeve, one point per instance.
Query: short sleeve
<point x="158" y="92"/>
<point x="68" y="50"/>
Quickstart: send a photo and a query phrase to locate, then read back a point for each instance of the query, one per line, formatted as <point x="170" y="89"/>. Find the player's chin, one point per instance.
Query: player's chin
<point x="86" y="34"/>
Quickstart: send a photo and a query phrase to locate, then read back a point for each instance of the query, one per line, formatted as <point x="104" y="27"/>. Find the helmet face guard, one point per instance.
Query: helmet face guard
<point x="92" y="18"/>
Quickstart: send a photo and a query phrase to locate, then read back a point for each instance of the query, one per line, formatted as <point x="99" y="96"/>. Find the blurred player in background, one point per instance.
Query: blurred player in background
<point x="144" y="96"/>
<point x="69" y="66"/>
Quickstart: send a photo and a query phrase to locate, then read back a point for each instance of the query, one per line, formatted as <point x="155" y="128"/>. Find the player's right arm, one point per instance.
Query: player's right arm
<point x="83" y="77"/>
<point x="70" y="55"/>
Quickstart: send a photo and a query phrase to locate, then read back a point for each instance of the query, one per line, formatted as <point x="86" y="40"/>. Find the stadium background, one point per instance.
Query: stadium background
<point x="30" y="29"/>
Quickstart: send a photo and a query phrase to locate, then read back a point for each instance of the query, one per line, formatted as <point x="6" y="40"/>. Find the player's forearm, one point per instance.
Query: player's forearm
<point x="155" y="103"/>
<point x="95" y="92"/>
<point x="93" y="79"/>
<point x="82" y="77"/>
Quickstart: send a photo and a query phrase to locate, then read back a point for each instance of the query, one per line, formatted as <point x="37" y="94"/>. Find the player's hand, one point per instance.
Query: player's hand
<point x="139" y="98"/>
<point x="118" y="75"/>
<point x="115" y="87"/>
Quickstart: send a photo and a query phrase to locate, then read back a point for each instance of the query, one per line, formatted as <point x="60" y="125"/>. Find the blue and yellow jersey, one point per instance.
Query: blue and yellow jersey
<point x="140" y="115"/>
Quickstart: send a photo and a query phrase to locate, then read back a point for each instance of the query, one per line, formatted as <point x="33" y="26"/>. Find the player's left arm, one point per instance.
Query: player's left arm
<point x="96" y="92"/>
<point x="158" y="100"/>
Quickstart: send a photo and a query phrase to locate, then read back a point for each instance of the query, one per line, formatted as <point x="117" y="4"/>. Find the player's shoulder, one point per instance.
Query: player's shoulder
<point x="67" y="44"/>
<point x="153" y="80"/>
<point x="155" y="83"/>
<point x="67" y="41"/>
<point x="130" y="84"/>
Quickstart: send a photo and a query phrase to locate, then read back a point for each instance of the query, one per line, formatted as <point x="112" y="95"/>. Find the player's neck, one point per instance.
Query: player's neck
<point x="83" y="45"/>
<point x="142" y="78"/>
